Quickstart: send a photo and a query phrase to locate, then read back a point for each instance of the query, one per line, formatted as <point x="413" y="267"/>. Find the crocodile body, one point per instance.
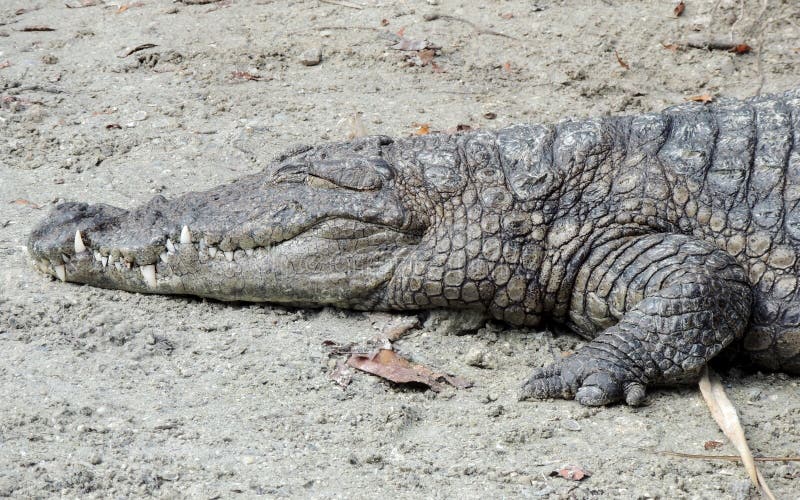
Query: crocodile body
<point x="663" y="238"/>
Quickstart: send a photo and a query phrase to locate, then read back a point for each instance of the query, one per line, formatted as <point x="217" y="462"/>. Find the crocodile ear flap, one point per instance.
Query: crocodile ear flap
<point x="360" y="174"/>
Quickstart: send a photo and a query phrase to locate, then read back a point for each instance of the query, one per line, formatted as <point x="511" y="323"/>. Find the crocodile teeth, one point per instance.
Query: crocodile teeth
<point x="79" y="246"/>
<point x="61" y="272"/>
<point x="65" y="258"/>
<point x="186" y="236"/>
<point x="97" y="256"/>
<point x="164" y="256"/>
<point x="229" y="256"/>
<point x="104" y="260"/>
<point x="149" y="275"/>
<point x="212" y="251"/>
<point x="170" y="246"/>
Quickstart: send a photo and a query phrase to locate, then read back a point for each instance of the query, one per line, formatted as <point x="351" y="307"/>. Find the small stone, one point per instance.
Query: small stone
<point x="248" y="460"/>
<point x="49" y="59"/>
<point x="311" y="57"/>
<point x="95" y="459"/>
<point x="475" y="357"/>
<point x="140" y="116"/>
<point x="571" y="425"/>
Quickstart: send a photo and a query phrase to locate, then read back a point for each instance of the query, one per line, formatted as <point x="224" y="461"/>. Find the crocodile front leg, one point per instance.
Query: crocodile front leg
<point x="658" y="307"/>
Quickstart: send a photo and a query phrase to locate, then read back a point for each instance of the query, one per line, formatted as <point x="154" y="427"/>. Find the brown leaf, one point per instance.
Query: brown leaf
<point x="712" y="445"/>
<point x="507" y="15"/>
<point x="741" y="48"/>
<point x="704" y="98"/>
<point x="5" y="64"/>
<point x="384" y="22"/>
<point x="19" y="12"/>
<point x="507" y="66"/>
<point x="436" y="68"/>
<point x="113" y="126"/>
<point x="679" y="9"/>
<point x="490" y="115"/>
<point x="672" y="47"/>
<point x="401" y="32"/>
<point x="37" y="27"/>
<point x="422" y="128"/>
<point x="621" y="62"/>
<point x="390" y="366"/>
<point x="461" y="127"/>
<point x="244" y="75"/>
<point x="426" y="56"/>
<point x="571" y="472"/>
<point x="399" y="326"/>
<point x="26" y="203"/>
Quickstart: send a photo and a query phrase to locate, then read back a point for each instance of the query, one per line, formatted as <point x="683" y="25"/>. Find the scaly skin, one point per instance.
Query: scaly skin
<point x="663" y="238"/>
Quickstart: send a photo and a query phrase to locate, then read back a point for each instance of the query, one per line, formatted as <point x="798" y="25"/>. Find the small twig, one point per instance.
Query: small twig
<point x="343" y="4"/>
<point x="728" y="458"/>
<point x="478" y="29"/>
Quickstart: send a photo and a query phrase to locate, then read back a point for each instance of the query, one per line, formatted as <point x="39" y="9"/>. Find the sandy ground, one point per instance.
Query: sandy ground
<point x="109" y="394"/>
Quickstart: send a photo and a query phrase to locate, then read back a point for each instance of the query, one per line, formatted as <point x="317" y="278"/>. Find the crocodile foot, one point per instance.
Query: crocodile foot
<point x="591" y="381"/>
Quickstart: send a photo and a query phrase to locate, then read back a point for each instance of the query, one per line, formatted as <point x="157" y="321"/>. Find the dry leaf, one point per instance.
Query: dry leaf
<point x="679" y="9"/>
<point x="741" y="48"/>
<point x="507" y="66"/>
<point x="461" y="127"/>
<point x="672" y="47"/>
<point x="727" y="419"/>
<point x="5" y="64"/>
<point x="712" y="445"/>
<point x="244" y="75"/>
<point x="422" y="128"/>
<point x="426" y="56"/>
<point x="399" y="326"/>
<point x="490" y="115"/>
<point x="26" y="203"/>
<point x="37" y="28"/>
<point x="571" y="472"/>
<point x="621" y="62"/>
<point x="704" y="98"/>
<point x="401" y="32"/>
<point x="113" y="126"/>
<point x="507" y="16"/>
<point x="390" y="366"/>
<point x="384" y="22"/>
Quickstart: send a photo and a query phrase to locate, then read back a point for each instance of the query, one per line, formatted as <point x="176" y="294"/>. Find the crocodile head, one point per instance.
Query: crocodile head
<point x="327" y="225"/>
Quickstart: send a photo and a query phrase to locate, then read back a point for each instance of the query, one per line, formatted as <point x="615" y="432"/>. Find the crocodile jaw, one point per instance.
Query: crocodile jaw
<point x="282" y="244"/>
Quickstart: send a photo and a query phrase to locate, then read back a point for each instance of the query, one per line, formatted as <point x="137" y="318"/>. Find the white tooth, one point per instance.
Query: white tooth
<point x="104" y="260"/>
<point x="149" y="275"/>
<point x="249" y="252"/>
<point x="65" y="258"/>
<point x="229" y="256"/>
<point x="164" y="257"/>
<point x="118" y="265"/>
<point x="61" y="272"/>
<point x="43" y="266"/>
<point x="97" y="256"/>
<point x="212" y="251"/>
<point x="128" y="264"/>
<point x="186" y="236"/>
<point x="79" y="246"/>
<point x="201" y="245"/>
<point x="170" y="246"/>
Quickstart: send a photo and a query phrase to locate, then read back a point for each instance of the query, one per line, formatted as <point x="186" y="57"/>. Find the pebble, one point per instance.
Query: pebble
<point x="95" y="459"/>
<point x="248" y="459"/>
<point x="311" y="57"/>
<point x="571" y="425"/>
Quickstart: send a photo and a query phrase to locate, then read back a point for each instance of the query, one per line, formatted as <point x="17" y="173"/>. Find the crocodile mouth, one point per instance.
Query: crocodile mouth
<point x="335" y="260"/>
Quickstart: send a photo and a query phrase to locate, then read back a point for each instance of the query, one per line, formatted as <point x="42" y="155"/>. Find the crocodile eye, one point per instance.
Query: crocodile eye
<point x="290" y="173"/>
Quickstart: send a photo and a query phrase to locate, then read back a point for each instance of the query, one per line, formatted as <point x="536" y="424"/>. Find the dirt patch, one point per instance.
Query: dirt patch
<point x="114" y="394"/>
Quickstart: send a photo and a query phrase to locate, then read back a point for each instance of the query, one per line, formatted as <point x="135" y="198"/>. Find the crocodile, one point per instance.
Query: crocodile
<point x="663" y="239"/>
